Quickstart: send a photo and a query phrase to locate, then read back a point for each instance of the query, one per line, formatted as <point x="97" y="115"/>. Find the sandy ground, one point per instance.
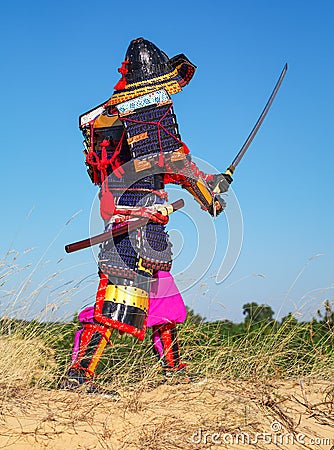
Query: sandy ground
<point x="210" y="414"/>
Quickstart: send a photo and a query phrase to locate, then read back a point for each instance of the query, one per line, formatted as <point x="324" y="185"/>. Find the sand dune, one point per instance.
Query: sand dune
<point x="209" y="414"/>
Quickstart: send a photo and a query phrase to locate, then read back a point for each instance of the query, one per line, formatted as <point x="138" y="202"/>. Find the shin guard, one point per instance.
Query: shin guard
<point x="93" y="341"/>
<point x="166" y="346"/>
<point x="122" y="307"/>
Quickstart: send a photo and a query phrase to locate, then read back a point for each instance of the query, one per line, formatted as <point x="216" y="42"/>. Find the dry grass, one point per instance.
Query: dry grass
<point x="25" y="362"/>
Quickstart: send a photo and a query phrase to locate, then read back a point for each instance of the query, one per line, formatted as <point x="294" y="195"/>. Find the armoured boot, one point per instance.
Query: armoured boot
<point x="93" y="341"/>
<point x="166" y="347"/>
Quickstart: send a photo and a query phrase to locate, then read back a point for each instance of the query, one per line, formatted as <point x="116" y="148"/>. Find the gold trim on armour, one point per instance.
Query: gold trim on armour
<point x="127" y="295"/>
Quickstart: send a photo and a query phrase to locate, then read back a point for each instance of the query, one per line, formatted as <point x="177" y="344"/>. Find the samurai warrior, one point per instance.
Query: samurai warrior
<point x="133" y="148"/>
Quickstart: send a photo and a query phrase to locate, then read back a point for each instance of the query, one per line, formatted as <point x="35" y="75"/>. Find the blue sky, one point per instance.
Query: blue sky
<point x="60" y="59"/>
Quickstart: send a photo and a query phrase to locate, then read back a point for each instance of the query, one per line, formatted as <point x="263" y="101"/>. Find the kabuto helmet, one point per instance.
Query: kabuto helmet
<point x="146" y="68"/>
<point x="145" y="61"/>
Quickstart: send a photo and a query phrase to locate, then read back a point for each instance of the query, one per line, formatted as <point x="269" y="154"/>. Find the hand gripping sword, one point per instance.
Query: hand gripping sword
<point x="256" y="127"/>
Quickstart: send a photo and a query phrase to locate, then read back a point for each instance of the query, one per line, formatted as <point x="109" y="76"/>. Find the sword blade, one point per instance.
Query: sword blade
<point x="256" y="127"/>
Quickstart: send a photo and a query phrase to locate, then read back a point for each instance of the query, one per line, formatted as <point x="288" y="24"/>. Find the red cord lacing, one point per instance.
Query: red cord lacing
<point x="160" y="127"/>
<point x="101" y="164"/>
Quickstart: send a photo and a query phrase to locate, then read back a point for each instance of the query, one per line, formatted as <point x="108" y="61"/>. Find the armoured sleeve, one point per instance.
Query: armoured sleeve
<point x="185" y="172"/>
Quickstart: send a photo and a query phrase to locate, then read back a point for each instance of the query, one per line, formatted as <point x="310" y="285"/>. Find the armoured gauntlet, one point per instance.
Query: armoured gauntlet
<point x="204" y="188"/>
<point x="220" y="183"/>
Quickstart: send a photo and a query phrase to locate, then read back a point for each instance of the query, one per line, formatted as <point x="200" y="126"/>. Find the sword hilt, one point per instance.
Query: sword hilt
<point x="230" y="170"/>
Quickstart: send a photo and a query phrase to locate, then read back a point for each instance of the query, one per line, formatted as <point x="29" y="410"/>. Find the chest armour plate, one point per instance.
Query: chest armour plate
<point x="150" y="125"/>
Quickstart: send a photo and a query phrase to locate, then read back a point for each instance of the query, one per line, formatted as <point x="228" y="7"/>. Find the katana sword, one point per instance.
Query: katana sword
<point x="252" y="134"/>
<point x="122" y="228"/>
